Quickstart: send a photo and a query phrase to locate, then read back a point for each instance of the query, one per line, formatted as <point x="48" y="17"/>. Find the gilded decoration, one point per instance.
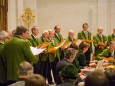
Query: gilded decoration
<point x="28" y="17"/>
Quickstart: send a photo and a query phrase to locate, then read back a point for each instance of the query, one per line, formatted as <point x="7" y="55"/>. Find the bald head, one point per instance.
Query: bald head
<point x="71" y="31"/>
<point x="71" y="34"/>
<point x="100" y="30"/>
<point x="50" y="30"/>
<point x="25" y="69"/>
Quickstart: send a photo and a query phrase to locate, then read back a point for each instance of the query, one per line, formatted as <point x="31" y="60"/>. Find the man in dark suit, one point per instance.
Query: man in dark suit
<point x="16" y="51"/>
<point x="69" y="57"/>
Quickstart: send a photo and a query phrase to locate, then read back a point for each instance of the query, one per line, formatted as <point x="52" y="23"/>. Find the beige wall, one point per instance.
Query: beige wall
<point x="69" y="14"/>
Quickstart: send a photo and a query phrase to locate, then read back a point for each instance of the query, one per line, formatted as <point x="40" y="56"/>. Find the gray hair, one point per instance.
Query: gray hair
<point x="33" y="28"/>
<point x="50" y="30"/>
<point x="70" y="52"/>
<point x="44" y="31"/>
<point x="25" y="68"/>
<point x="71" y="31"/>
<point x="3" y="34"/>
<point x="36" y="80"/>
<point x="100" y="28"/>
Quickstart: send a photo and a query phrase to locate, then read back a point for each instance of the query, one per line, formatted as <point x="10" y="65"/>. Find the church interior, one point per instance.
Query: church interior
<point x="57" y="42"/>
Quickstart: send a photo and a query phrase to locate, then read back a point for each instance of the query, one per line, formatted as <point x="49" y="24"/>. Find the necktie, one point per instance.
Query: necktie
<point x="86" y="34"/>
<point x="101" y="38"/>
<point x="53" y="42"/>
<point x="36" y="38"/>
<point x="114" y="36"/>
<point x="44" y="40"/>
<point x="58" y="36"/>
<point x="112" y="54"/>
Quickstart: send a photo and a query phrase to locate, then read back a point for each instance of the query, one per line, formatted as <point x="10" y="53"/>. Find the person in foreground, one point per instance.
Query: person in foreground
<point x="25" y="70"/>
<point x="36" y="80"/>
<point x="68" y="75"/>
<point x="110" y="73"/>
<point x="96" y="78"/>
<point x="3" y="37"/>
<point x="69" y="57"/>
<point x="16" y="51"/>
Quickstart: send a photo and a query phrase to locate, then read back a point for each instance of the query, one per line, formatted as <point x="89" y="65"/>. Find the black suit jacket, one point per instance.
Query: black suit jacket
<point x="59" y="67"/>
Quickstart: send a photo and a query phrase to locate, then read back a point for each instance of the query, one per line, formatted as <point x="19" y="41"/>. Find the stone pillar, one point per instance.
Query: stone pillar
<point x="12" y="15"/>
<point x="104" y="15"/>
<point x="112" y="14"/>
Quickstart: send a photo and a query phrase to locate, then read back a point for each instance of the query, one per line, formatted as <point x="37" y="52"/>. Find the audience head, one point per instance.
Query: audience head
<point x="3" y="35"/>
<point x="22" y="32"/>
<point x="45" y="34"/>
<point x="100" y="30"/>
<point x="84" y="46"/>
<point x="35" y="30"/>
<point x="85" y="26"/>
<point x="74" y="46"/>
<point x="69" y="72"/>
<point x="70" y="54"/>
<point x="57" y="29"/>
<point x="36" y="80"/>
<point x="71" y="34"/>
<point x="25" y="70"/>
<point x="96" y="78"/>
<point x="110" y="74"/>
